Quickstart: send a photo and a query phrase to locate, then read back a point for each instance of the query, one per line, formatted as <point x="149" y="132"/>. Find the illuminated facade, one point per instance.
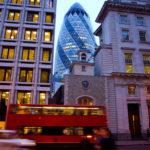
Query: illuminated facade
<point x="75" y="34"/>
<point x="123" y="58"/>
<point x="26" y="50"/>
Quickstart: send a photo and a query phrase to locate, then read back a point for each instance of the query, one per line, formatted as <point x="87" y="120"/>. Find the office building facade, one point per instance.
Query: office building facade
<point x="26" y="50"/>
<point x="123" y="57"/>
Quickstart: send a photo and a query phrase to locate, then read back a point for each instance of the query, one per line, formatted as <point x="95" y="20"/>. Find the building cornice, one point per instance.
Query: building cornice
<point x="122" y="7"/>
<point x="132" y="75"/>
<point x="102" y="46"/>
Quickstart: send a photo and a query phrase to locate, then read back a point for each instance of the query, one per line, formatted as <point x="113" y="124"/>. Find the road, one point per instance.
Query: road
<point x="134" y="147"/>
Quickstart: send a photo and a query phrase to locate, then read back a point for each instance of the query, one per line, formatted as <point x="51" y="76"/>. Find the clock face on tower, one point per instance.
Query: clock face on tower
<point x="85" y="84"/>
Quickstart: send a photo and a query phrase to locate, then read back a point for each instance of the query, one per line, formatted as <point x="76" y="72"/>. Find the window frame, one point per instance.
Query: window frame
<point x="128" y="62"/>
<point x="9" y="47"/>
<point x="13" y="11"/>
<point x="140" y="38"/>
<point x="49" y="13"/>
<point x="51" y="35"/>
<point x="135" y="91"/>
<point x="34" y="3"/>
<point x="137" y="20"/>
<point x="31" y="32"/>
<point x="23" y="98"/>
<point x="12" y="29"/>
<point x="32" y="13"/>
<point x="5" y="72"/>
<point x="28" y="49"/>
<point x="27" y="71"/>
<point x="125" y="30"/>
<point x="123" y="15"/>
<point x="48" y="79"/>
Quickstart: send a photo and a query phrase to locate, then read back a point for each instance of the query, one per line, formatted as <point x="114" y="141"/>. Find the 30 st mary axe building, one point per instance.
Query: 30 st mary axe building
<point x="75" y="34"/>
<point x="26" y="50"/>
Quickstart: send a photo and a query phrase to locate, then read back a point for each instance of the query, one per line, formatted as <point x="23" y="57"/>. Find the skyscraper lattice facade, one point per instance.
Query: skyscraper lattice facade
<point x="75" y="34"/>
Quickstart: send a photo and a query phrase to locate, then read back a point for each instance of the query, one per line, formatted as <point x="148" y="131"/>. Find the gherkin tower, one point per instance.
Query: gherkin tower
<point x="76" y="34"/>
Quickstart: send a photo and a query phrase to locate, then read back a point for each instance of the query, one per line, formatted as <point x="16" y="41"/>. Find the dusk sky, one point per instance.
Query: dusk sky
<point x="92" y="7"/>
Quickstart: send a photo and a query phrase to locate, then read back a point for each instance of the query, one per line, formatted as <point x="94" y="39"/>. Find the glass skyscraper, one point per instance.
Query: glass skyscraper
<point x="76" y="34"/>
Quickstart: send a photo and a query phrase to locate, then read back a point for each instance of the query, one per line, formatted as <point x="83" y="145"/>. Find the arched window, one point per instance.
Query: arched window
<point x="85" y="101"/>
<point x="83" y="57"/>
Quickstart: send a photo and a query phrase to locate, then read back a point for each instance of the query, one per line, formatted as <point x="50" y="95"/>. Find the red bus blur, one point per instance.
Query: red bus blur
<point x="67" y="125"/>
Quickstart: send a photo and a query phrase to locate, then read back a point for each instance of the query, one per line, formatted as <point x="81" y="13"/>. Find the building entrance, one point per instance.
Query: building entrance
<point x="134" y="121"/>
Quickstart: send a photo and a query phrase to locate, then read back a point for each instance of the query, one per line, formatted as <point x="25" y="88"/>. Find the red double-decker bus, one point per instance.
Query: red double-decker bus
<point x="56" y="125"/>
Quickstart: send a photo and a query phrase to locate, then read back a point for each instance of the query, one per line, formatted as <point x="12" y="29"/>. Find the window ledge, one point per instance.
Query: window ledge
<point x="48" y="23"/>
<point x="37" y="6"/>
<point x="45" y="62"/>
<point x="25" y="83"/>
<point x="27" y="61"/>
<point x="9" y="60"/>
<point x="133" y="98"/>
<point x="20" y="5"/>
<point x="47" y="42"/>
<point x="30" y="41"/>
<point x="6" y="82"/>
<point x="144" y="42"/>
<point x="12" y="21"/>
<point x="12" y="40"/>
<point x="130" y="41"/>
<point x="46" y="84"/>
<point x="31" y="22"/>
<point x="125" y="23"/>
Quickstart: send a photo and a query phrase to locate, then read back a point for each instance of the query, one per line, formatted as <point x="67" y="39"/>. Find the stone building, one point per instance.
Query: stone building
<point x="123" y="59"/>
<point x="26" y="50"/>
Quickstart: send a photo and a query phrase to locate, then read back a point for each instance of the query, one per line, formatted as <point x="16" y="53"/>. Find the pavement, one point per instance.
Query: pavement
<point x="133" y="145"/>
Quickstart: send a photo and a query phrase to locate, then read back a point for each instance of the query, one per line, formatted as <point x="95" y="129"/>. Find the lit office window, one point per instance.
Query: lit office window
<point x="49" y="18"/>
<point x="46" y="55"/>
<point x="23" y="97"/>
<point x="140" y="20"/>
<point x="30" y="34"/>
<point x="26" y="75"/>
<point x="33" y="16"/>
<point x="1" y="1"/>
<point x="125" y="35"/>
<point x="146" y="61"/>
<point x="128" y="62"/>
<point x="123" y="19"/>
<point x="28" y="53"/>
<point x="85" y="101"/>
<point x="42" y="98"/>
<point x="11" y="33"/>
<point x="34" y="2"/>
<point x="16" y="1"/>
<point x="0" y="13"/>
<point x="5" y="74"/>
<point x="142" y="36"/>
<point x="8" y="52"/>
<point x="131" y="89"/>
<point x="47" y="36"/>
<point x="44" y="76"/>
<point x="4" y="97"/>
<point x="14" y="15"/>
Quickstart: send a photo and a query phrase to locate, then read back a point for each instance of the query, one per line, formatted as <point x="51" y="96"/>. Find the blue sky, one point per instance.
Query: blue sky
<point x="92" y="7"/>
